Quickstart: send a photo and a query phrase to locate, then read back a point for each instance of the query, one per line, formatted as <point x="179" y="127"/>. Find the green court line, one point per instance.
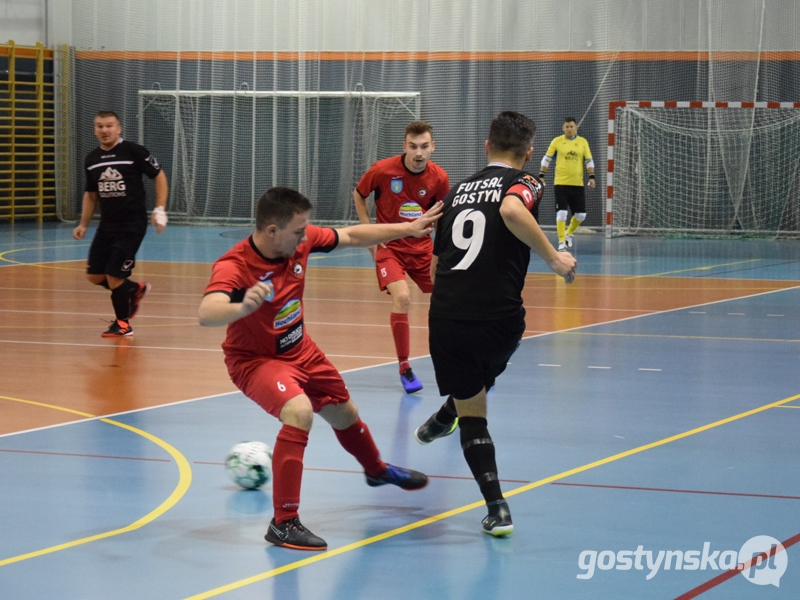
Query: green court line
<point x="184" y="481"/>
<point x="525" y="488"/>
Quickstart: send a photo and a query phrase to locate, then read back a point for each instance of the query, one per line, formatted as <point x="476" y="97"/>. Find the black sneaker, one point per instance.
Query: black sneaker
<point x="498" y="521"/>
<point x="292" y="534"/>
<point x="136" y="297"/>
<point x="402" y="478"/>
<point x="432" y="429"/>
<point x="410" y="382"/>
<point x="118" y="329"/>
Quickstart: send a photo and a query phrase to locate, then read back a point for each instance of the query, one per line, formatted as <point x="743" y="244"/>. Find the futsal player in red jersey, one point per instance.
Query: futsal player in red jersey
<point x="405" y="186"/>
<point x="256" y="289"/>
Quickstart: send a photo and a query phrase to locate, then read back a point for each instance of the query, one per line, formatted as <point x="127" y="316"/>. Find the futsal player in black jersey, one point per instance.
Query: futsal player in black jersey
<point x="114" y="180"/>
<point x="476" y="319"/>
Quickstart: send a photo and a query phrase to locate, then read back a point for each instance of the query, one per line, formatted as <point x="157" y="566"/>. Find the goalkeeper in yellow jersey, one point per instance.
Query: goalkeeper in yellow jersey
<point x="573" y="153"/>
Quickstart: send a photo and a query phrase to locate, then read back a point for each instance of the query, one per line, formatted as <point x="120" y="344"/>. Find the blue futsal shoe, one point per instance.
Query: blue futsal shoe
<point x="410" y="382"/>
<point x="406" y="479"/>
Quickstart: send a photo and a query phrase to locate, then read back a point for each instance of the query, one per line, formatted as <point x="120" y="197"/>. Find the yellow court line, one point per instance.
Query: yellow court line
<point x="678" y="337"/>
<point x="40" y="265"/>
<point x="46" y="265"/>
<point x="707" y="268"/>
<point x="184" y="481"/>
<point x="400" y="530"/>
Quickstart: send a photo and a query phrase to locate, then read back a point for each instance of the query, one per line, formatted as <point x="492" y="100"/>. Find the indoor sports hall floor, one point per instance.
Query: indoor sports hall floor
<point x="651" y="411"/>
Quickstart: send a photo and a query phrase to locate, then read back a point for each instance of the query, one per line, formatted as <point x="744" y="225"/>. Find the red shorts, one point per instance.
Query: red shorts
<point x="272" y="382"/>
<point x="392" y="266"/>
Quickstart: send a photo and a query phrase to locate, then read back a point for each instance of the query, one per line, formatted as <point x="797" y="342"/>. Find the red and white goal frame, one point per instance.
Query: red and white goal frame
<point x="612" y="115"/>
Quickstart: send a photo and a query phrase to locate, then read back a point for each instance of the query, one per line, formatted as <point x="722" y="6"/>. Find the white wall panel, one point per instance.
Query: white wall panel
<point x="23" y="21"/>
<point x="403" y="25"/>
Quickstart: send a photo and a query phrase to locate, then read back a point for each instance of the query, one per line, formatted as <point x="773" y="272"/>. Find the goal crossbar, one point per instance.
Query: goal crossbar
<point x="616" y="105"/>
<point x="223" y="147"/>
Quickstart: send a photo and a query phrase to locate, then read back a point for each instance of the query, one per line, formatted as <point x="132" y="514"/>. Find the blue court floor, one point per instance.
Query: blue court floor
<point x="642" y="457"/>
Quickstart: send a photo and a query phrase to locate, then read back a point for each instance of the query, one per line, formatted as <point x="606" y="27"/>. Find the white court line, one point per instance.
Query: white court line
<point x="93" y="291"/>
<point x="126" y="412"/>
<point x="86" y="314"/>
<point x="391" y="362"/>
<point x="307" y="298"/>
<point x="110" y="345"/>
<point x="169" y="348"/>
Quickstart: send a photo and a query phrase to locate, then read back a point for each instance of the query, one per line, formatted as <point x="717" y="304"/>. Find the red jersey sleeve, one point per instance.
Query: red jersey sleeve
<point x="227" y="277"/>
<point x="368" y="184"/>
<point x="321" y="239"/>
<point x="438" y="185"/>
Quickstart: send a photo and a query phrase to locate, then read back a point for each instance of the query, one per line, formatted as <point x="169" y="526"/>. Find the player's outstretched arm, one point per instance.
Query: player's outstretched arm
<point x="523" y="225"/>
<point x="369" y="235"/>
<point x="216" y="308"/>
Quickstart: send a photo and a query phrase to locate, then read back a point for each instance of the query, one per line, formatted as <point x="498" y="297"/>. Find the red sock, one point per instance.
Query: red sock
<point x="287" y="469"/>
<point x="357" y="440"/>
<point x="399" y="322"/>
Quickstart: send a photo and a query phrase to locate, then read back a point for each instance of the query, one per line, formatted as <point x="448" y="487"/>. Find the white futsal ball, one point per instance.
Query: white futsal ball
<point x="249" y="464"/>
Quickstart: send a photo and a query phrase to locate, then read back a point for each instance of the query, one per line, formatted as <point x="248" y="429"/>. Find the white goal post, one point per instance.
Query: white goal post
<point x="703" y="169"/>
<point x="222" y="148"/>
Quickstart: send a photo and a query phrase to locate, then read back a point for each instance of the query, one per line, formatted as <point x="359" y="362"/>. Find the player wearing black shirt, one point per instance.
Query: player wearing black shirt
<point x="114" y="180"/>
<point x="476" y="320"/>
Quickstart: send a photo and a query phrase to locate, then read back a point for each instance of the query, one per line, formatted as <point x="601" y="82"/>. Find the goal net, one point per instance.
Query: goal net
<point x="704" y="169"/>
<point x="224" y="148"/>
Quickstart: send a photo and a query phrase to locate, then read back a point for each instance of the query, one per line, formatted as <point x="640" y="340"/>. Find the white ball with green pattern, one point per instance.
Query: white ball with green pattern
<point x="249" y="464"/>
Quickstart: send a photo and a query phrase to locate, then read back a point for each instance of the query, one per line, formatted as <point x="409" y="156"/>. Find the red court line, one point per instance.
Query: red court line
<point x="201" y="462"/>
<point x="725" y="576"/>
<point x="87" y="455"/>
<point x="651" y="489"/>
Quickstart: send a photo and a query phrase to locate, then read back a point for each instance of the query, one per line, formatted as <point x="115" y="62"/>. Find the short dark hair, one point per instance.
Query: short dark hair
<point x="418" y="128"/>
<point x="511" y="132"/>
<point x="279" y="205"/>
<point x="569" y="120"/>
<point x="107" y="113"/>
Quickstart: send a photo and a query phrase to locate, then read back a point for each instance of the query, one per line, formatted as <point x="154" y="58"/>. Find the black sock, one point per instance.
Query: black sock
<point x="478" y="449"/>
<point x="447" y="414"/>
<point x="121" y="299"/>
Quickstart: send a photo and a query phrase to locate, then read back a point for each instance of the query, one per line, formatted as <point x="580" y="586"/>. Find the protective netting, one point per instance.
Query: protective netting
<point x="216" y="121"/>
<point x="224" y="149"/>
<point x="706" y="171"/>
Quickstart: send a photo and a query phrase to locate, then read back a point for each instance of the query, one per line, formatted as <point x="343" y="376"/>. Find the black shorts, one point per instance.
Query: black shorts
<point x="469" y="355"/>
<point x="572" y="197"/>
<point x="114" y="253"/>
